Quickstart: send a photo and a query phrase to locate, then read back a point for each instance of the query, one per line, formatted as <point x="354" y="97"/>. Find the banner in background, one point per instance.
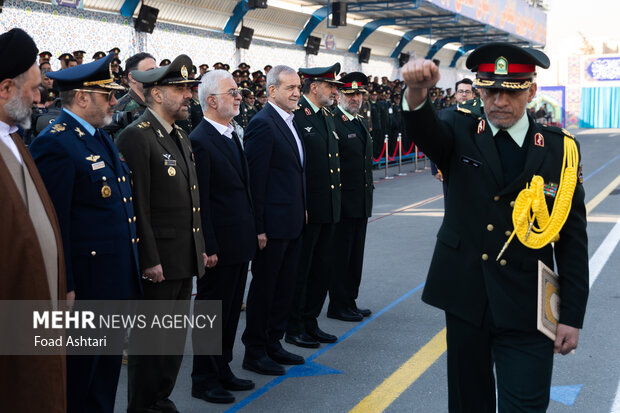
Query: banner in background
<point x="602" y="69"/>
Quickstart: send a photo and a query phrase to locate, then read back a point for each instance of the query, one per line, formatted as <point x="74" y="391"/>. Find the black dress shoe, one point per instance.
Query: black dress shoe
<point x="302" y="340"/>
<point x="263" y="365"/>
<point x="235" y="383"/>
<point x="285" y="357"/>
<point x="321" y="336"/>
<point x="345" y="315"/>
<point x="365" y="312"/>
<point x="215" y="395"/>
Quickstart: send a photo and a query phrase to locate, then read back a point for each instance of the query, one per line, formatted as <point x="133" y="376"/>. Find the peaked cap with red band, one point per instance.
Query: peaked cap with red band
<point x="503" y="65"/>
<point x="321" y="74"/>
<point x="354" y="82"/>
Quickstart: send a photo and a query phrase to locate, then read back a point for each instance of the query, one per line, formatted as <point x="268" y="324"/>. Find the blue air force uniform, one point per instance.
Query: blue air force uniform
<point x="90" y="186"/>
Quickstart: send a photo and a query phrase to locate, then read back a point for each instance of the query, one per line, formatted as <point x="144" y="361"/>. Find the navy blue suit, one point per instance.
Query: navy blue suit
<point x="228" y="226"/>
<point x="278" y="193"/>
<point x="89" y="184"/>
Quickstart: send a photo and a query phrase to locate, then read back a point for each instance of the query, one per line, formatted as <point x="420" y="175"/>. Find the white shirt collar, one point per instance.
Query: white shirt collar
<point x="5" y="129"/>
<point x="517" y="131"/>
<point x="225" y="130"/>
<point x="5" y="137"/>
<point x="286" y="116"/>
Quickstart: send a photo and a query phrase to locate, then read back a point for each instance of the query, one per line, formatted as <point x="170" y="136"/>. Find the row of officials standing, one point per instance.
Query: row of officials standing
<point x="142" y="217"/>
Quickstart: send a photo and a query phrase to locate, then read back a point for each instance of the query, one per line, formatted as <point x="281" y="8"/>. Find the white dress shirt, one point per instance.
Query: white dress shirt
<point x="225" y="130"/>
<point x="5" y="137"/>
<point x="288" y="119"/>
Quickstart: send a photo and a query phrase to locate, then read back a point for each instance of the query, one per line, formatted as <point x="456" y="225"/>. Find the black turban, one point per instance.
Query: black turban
<point x="18" y="53"/>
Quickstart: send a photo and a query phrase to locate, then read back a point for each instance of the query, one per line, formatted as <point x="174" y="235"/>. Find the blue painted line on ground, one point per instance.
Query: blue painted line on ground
<point x="601" y="168"/>
<point x="317" y="369"/>
<point x="565" y="394"/>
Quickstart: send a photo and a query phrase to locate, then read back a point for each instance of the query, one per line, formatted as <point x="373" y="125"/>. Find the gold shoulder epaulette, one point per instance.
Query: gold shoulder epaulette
<point x="567" y="133"/>
<point x="144" y="124"/>
<point x="460" y="109"/>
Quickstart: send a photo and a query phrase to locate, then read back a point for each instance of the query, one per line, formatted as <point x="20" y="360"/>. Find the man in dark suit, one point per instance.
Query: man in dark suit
<point x="355" y="148"/>
<point x="168" y="209"/>
<point x="318" y="133"/>
<point x="228" y="228"/>
<point x="89" y="184"/>
<point x="276" y="158"/>
<point x="487" y="287"/>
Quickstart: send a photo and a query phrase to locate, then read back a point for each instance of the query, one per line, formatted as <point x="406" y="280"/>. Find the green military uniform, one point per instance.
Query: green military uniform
<point x="131" y="103"/>
<point x="490" y="301"/>
<point x="167" y="204"/>
<point x="355" y="148"/>
<point x="323" y="197"/>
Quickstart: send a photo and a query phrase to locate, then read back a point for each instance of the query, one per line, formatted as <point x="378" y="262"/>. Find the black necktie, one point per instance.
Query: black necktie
<point x="511" y="156"/>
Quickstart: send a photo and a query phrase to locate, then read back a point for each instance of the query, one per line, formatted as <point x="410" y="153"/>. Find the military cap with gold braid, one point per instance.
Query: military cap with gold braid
<point x="354" y="82"/>
<point x="501" y="65"/>
<point x="97" y="74"/>
<point x="321" y="74"/>
<point x="176" y="73"/>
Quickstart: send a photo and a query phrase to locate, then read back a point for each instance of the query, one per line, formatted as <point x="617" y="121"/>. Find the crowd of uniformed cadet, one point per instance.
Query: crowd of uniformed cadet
<point x="162" y="172"/>
<point x="381" y="107"/>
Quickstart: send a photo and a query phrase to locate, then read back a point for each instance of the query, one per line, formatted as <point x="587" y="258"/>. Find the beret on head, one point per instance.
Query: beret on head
<point x="18" y="53"/>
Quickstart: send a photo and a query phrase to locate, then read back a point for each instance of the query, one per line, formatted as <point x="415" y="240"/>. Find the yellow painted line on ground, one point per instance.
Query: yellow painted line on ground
<point x="392" y="387"/>
<point x="401" y="379"/>
<point x="594" y="202"/>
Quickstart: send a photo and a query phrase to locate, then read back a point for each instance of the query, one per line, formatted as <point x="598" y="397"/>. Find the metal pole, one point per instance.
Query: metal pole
<point x="387" y="158"/>
<point x="416" y="157"/>
<point x="400" y="154"/>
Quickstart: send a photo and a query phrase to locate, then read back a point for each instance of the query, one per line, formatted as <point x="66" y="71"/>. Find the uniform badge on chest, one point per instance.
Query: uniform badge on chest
<point x="106" y="191"/>
<point x="307" y="111"/>
<point x="539" y="140"/>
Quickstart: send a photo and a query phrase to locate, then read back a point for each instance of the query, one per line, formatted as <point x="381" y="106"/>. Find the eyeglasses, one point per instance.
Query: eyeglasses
<point x="110" y="93"/>
<point x="464" y="92"/>
<point x="232" y="92"/>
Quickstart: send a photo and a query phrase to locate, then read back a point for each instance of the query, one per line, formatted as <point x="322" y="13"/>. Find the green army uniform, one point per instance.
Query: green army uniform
<point x="167" y="203"/>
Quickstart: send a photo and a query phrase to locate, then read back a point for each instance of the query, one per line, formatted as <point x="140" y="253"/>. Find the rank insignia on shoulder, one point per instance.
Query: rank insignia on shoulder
<point x="580" y="174"/>
<point x="93" y="158"/>
<point x="79" y="131"/>
<point x="307" y="110"/>
<point x="481" y="126"/>
<point x="567" y="133"/>
<point x="344" y="118"/>
<point x="460" y="109"/>
<point x="539" y="140"/>
<point x="550" y="189"/>
<point x="144" y="124"/>
<point x="58" y="128"/>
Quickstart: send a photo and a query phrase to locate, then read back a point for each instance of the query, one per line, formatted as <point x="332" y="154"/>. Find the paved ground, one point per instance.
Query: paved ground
<point x="399" y="246"/>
